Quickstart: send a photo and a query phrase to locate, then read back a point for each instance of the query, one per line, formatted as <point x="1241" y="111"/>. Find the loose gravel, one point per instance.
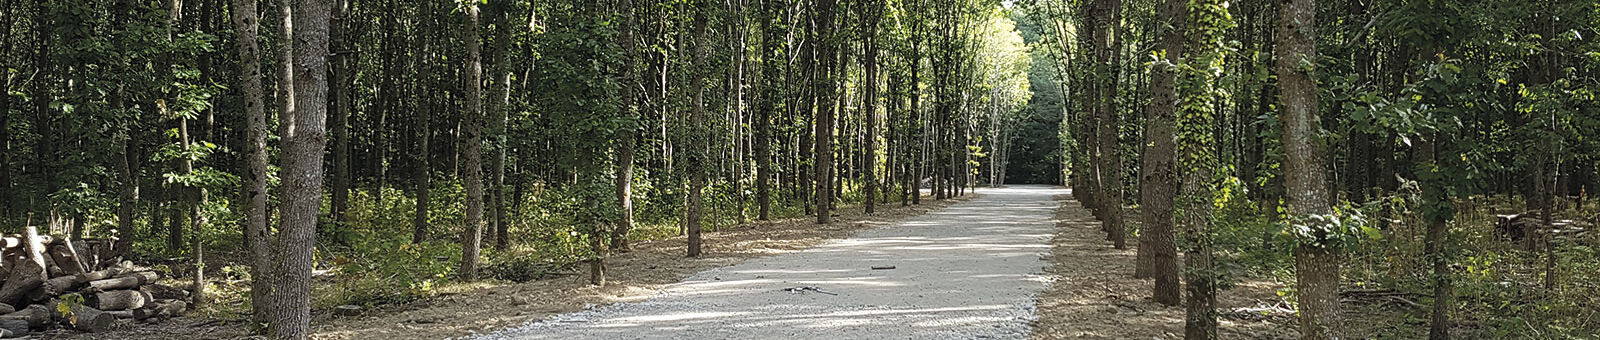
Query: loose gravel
<point x="968" y="271"/>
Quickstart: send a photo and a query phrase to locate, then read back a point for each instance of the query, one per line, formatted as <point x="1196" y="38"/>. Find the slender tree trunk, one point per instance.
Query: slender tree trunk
<point x="1436" y="239"/>
<point x="1157" y="255"/>
<point x="771" y="59"/>
<point x="499" y="104"/>
<point x="1316" y="262"/>
<point x="824" y="86"/>
<point x="625" y="151"/>
<point x="423" y="174"/>
<point x="700" y="138"/>
<point x="472" y="146"/>
<point x="869" y="112"/>
<point x="7" y="17"/>
<point x="422" y="156"/>
<point x="1106" y="110"/>
<point x="304" y="140"/>
<point x="257" y="237"/>
<point x="339" y="124"/>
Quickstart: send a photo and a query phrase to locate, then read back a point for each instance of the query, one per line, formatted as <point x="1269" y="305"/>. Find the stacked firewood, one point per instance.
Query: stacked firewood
<point x="50" y="282"/>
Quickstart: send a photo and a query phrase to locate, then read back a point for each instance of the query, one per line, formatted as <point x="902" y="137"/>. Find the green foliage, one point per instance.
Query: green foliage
<point x="391" y="270"/>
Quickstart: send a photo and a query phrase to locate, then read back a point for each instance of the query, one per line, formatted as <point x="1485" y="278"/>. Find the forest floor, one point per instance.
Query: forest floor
<point x="464" y="310"/>
<point x="1096" y="297"/>
<point x="968" y="271"/>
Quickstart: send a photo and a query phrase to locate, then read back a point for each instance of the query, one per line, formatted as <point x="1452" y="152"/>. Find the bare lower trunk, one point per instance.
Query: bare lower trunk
<point x="823" y="134"/>
<point x="303" y="144"/>
<point x="472" y="148"/>
<point x="699" y="142"/>
<point x="499" y="104"/>
<point x="257" y="237"/>
<point x="1305" y="181"/>
<point x="1157" y="257"/>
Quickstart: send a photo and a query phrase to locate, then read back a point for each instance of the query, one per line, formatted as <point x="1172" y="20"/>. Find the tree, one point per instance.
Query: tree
<point x="767" y="102"/>
<point x="304" y="139"/>
<point x="1316" y="259"/>
<point x="872" y="12"/>
<point x="472" y="143"/>
<point x="1197" y="88"/>
<point x="1107" y="56"/>
<point x="698" y="139"/>
<point x="1157" y="257"/>
<point x="499" y="104"/>
<point x="625" y="151"/>
<point x="245" y="29"/>
<point x="822" y="133"/>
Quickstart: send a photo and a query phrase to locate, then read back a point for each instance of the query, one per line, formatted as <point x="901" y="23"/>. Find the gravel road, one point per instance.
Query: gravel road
<point x="969" y="271"/>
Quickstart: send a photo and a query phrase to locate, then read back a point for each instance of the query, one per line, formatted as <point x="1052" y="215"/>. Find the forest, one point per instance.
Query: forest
<point x="1393" y="168"/>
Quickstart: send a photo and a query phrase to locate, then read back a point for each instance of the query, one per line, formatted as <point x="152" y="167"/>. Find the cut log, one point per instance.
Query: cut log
<point x="125" y="281"/>
<point x="64" y="284"/>
<point x="37" y="316"/>
<point x="88" y="319"/>
<point x="6" y="309"/>
<point x="121" y="314"/>
<point x="10" y="328"/>
<point x="85" y="255"/>
<point x="34" y="247"/>
<point x="66" y="258"/>
<point x="164" y="292"/>
<point x="119" y="300"/>
<point x="22" y="280"/>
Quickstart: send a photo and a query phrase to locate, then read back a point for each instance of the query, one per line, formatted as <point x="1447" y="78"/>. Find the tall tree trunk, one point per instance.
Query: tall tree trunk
<point x="304" y="140"/>
<point x="342" y="80"/>
<point x="625" y="151"/>
<point x="1198" y="89"/>
<point x="257" y="238"/>
<point x="472" y="146"/>
<point x="1106" y="52"/>
<point x="1157" y="255"/>
<point x="771" y="60"/>
<point x="499" y="104"/>
<point x="197" y="218"/>
<point x="423" y="174"/>
<point x="869" y="113"/>
<point x="699" y="139"/>
<point x="824" y="86"/>
<point x="1436" y="239"/>
<point x="7" y="17"/>
<point x="1316" y="261"/>
<point x="422" y="156"/>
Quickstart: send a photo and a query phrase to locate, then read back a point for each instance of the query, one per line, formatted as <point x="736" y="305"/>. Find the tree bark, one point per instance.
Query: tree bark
<point x="1106" y="58"/>
<point x="1305" y="181"/>
<point x="771" y="60"/>
<point x="824" y="87"/>
<point x="472" y="147"/>
<point x="498" y="108"/>
<point x="869" y="65"/>
<point x="1437" y="217"/>
<point x="630" y="110"/>
<point x="699" y="143"/>
<point x="342" y="80"/>
<point x="257" y="238"/>
<point x="1157" y="257"/>
<point x="304" y="140"/>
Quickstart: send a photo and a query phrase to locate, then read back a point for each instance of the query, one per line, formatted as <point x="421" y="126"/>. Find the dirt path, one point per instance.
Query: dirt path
<point x="970" y="270"/>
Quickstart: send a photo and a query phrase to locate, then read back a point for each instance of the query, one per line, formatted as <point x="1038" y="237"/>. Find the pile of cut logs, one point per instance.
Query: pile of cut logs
<point x="50" y="282"/>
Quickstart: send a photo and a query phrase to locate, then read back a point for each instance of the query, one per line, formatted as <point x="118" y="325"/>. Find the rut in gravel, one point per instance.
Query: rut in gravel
<point x="970" y="270"/>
